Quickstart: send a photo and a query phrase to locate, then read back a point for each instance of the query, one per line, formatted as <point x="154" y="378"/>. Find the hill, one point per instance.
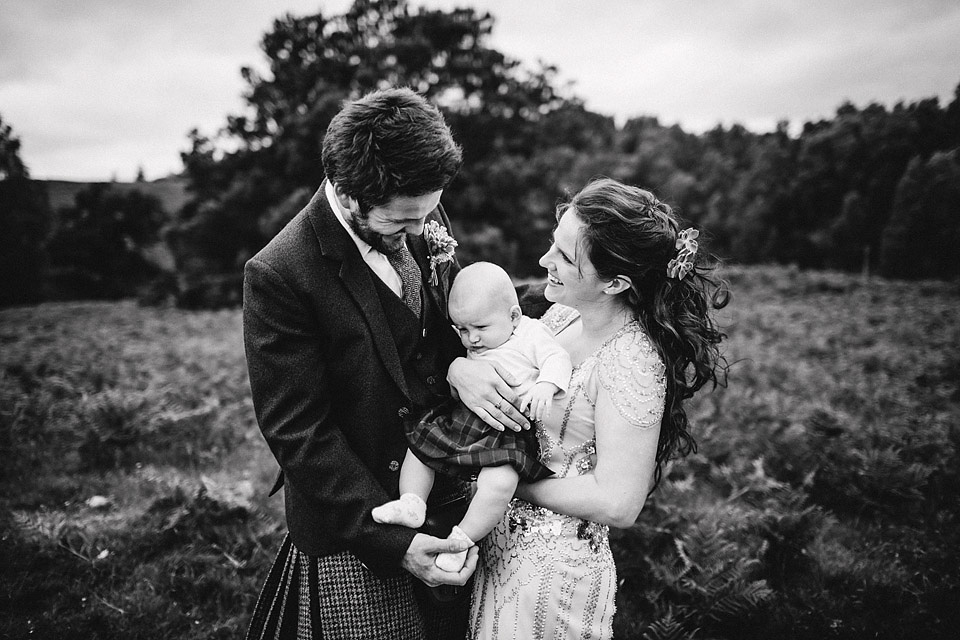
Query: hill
<point x="171" y="191"/>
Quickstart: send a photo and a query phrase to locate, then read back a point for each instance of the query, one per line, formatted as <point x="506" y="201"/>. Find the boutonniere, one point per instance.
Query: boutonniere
<point x="440" y="246"/>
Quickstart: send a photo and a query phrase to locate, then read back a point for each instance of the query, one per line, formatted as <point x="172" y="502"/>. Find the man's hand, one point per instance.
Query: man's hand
<point x="536" y="402"/>
<point x="421" y="558"/>
<point x="484" y="389"/>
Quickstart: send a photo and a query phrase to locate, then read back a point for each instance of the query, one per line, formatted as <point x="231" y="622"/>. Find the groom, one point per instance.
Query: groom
<point x="346" y="335"/>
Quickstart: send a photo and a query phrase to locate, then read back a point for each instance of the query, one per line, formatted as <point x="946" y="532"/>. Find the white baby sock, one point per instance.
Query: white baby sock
<point x="453" y="562"/>
<point x="410" y="511"/>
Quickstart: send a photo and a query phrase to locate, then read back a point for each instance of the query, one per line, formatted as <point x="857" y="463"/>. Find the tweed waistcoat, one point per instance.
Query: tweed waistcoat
<point x="425" y="346"/>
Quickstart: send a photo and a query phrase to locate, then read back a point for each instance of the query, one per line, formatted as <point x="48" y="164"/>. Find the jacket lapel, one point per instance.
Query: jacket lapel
<point x="357" y="278"/>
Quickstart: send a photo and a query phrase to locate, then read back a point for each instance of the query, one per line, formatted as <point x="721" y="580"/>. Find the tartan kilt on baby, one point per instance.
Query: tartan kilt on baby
<point x="452" y="440"/>
<point x="313" y="598"/>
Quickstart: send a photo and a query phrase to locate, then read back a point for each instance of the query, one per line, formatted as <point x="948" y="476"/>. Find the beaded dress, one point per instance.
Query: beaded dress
<point x="545" y="575"/>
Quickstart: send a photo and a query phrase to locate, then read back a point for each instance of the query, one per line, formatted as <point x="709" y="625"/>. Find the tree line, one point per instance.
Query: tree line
<point x="872" y="189"/>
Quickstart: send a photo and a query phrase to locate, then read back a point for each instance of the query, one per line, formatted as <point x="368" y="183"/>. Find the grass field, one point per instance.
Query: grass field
<point x="823" y="501"/>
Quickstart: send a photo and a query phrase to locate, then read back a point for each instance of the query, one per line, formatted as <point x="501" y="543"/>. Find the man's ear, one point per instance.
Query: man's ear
<point x="515" y="315"/>
<point x="618" y="285"/>
<point x="348" y="203"/>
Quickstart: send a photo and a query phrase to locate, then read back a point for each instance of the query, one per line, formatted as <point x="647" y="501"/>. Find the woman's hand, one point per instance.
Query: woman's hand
<point x="484" y="389"/>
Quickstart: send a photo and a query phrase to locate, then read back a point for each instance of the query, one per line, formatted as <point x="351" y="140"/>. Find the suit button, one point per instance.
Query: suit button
<point x="419" y="356"/>
<point x="403" y="412"/>
<point x="431" y="380"/>
<point x="394" y="465"/>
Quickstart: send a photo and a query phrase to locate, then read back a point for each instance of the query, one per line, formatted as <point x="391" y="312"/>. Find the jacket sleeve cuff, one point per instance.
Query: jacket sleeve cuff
<point x="383" y="548"/>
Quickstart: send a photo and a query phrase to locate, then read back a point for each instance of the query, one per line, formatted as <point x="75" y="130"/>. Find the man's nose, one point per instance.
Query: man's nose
<point x="416" y="228"/>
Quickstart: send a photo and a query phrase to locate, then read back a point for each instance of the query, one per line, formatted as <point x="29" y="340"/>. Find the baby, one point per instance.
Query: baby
<point x="450" y="439"/>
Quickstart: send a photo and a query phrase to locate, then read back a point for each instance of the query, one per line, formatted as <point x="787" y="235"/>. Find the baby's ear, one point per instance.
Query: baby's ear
<point x="515" y="314"/>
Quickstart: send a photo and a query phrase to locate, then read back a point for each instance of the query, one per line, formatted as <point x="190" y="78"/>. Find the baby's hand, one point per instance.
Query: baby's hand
<point x="536" y="402"/>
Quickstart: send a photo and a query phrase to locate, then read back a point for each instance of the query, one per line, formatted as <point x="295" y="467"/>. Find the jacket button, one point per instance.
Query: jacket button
<point x="403" y="412"/>
<point x="394" y="465"/>
<point x="431" y="380"/>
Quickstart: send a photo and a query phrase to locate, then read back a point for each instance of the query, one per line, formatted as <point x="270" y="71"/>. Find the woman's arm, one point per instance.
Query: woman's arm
<point x="631" y="390"/>
<point x="615" y="491"/>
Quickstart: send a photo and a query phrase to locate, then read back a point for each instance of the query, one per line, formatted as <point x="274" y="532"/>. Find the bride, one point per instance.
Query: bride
<point x="632" y="308"/>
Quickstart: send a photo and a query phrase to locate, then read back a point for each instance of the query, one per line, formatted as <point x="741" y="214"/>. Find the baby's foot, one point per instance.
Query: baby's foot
<point x="410" y="511"/>
<point x="453" y="562"/>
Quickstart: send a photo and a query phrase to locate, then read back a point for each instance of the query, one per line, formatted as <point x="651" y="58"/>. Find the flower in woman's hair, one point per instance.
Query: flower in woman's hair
<point x="687" y="247"/>
<point x="687" y="240"/>
<point x="440" y="246"/>
<point x="678" y="269"/>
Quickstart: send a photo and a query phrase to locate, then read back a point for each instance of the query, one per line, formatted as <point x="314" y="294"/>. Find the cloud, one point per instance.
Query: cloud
<point x="96" y="88"/>
<point x="750" y="61"/>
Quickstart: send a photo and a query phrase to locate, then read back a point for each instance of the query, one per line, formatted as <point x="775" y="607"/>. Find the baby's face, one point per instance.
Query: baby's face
<point x="482" y="325"/>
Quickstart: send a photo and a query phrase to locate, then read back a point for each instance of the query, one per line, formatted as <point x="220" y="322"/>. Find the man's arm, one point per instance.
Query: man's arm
<point x="292" y="386"/>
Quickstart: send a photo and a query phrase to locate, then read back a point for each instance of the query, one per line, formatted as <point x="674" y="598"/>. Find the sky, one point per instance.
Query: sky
<point x="97" y="89"/>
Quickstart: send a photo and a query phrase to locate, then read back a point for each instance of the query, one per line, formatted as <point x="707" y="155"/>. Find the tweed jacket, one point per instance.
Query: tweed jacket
<point x="328" y="384"/>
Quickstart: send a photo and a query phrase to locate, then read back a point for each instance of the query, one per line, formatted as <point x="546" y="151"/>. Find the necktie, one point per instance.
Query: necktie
<point x="409" y="272"/>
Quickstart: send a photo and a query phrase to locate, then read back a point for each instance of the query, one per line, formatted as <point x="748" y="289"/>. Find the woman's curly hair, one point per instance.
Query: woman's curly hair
<point x="629" y="232"/>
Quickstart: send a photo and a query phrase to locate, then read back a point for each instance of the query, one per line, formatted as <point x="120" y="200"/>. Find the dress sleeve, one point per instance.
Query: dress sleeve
<point x="631" y="371"/>
<point x="558" y="317"/>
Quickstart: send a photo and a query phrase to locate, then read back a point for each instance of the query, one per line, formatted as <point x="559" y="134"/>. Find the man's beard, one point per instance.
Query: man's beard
<point x="384" y="244"/>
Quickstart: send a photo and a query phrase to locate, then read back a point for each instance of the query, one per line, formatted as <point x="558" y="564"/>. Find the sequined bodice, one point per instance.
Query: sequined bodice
<point x="545" y="575"/>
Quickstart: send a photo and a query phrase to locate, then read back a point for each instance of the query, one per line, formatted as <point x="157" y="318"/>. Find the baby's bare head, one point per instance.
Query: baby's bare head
<point x="481" y="288"/>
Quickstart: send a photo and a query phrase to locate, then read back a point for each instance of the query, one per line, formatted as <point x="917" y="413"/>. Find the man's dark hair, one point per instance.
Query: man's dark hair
<point x="389" y="143"/>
